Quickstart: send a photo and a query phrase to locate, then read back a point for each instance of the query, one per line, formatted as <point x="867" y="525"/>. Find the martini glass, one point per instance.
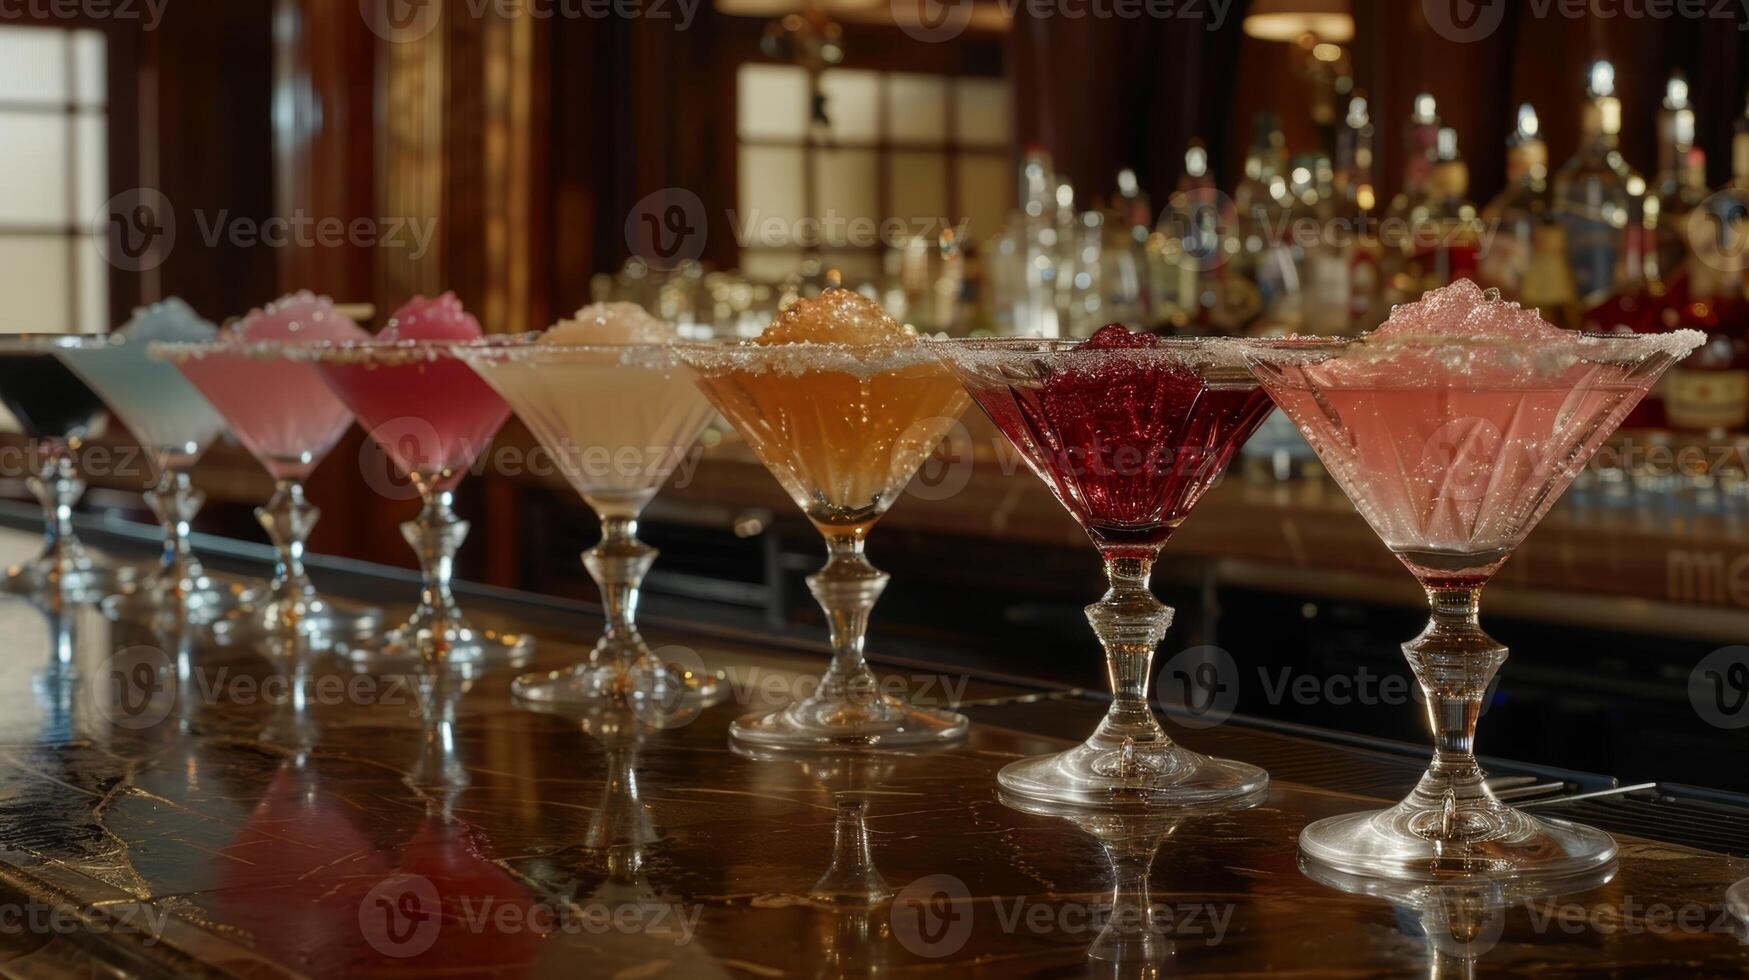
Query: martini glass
<point x="843" y="429"/>
<point x="1128" y="438"/>
<point x="1453" y="445"/>
<point x="58" y="413"/>
<point x="432" y="416"/>
<point x="283" y="412"/>
<point x="617" y="420"/>
<point x="175" y="426"/>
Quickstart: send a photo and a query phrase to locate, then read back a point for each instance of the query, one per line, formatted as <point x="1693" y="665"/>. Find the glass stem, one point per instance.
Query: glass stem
<point x="435" y="536"/>
<point x="57" y="486"/>
<point x="847" y="588"/>
<point x="618" y="564"/>
<point x="851" y="878"/>
<point x="1131" y="934"/>
<point x="1454" y="661"/>
<point x="1130" y="623"/>
<point x="175" y="501"/>
<point x="288" y="518"/>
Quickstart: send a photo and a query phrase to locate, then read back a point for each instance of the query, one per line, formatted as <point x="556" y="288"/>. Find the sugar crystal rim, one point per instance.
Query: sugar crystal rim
<point x="1590" y="347"/>
<point x="1193" y="352"/>
<point x="810" y="357"/>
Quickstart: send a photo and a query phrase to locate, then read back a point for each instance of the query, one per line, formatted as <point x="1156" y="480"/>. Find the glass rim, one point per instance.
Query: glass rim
<point x="45" y="342"/>
<point x="1589" y="346"/>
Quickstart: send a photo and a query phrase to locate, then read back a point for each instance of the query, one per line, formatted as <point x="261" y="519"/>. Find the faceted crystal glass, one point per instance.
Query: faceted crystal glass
<point x="174" y="425"/>
<point x="58" y="412"/>
<point x="843" y="429"/>
<point x="431" y="416"/>
<point x="1452" y="448"/>
<point x="617" y="421"/>
<point x="1128" y="440"/>
<point x="284" y="413"/>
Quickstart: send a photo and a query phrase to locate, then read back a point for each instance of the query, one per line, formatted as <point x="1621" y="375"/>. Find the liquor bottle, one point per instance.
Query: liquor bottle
<point x="1408" y="223"/>
<point x="1262" y="202"/>
<point x="1200" y="251"/>
<point x="1593" y="196"/>
<point x="1342" y="264"/>
<point x="1709" y="390"/>
<point x="1455" y="226"/>
<point x="1680" y="184"/>
<point x="1123" y="257"/>
<point x="1516" y="211"/>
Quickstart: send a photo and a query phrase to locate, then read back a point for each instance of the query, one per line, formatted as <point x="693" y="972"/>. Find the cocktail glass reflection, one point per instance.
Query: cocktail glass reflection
<point x="174" y="425"/>
<point x="283" y="412"/>
<point x="1128" y="431"/>
<point x="431" y="415"/>
<point x="617" y="419"/>
<point x="58" y="413"/>
<point x="1454" y="428"/>
<point x="1133" y="941"/>
<point x="842" y="405"/>
<point x="1461" y="920"/>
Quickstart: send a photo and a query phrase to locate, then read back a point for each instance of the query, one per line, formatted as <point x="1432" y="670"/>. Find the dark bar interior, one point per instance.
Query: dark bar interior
<point x="1063" y="487"/>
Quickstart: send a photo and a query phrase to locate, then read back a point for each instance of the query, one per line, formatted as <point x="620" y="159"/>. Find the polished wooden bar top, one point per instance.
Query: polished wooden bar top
<point x="173" y="805"/>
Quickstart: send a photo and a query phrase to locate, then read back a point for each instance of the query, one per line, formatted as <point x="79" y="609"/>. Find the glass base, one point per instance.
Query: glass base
<point x="671" y="686"/>
<point x="412" y="646"/>
<point x="1481" y="837"/>
<point x="881" y="721"/>
<point x="1099" y="774"/>
<point x="314" y="618"/>
<point x="200" y="601"/>
<point x="46" y="576"/>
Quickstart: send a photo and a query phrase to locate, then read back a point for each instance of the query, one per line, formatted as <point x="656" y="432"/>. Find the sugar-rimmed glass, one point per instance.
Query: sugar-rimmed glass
<point x="1452" y="447"/>
<point x="843" y="429"/>
<point x="174" y="425"/>
<point x="617" y="420"/>
<point x="431" y="415"/>
<point x="1128" y="439"/>
<point x="283" y="412"/>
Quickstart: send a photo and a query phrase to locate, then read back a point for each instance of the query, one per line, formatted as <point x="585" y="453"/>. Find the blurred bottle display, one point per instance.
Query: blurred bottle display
<point x="1309" y="242"/>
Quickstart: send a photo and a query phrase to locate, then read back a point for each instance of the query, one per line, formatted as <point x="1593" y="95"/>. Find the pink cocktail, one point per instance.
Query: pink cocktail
<point x="284" y="413"/>
<point x="1129" y="431"/>
<point x="432" y="416"/>
<point x="1454" y="428"/>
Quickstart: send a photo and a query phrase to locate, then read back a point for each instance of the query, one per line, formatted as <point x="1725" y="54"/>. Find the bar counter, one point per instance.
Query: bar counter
<point x="169" y="809"/>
